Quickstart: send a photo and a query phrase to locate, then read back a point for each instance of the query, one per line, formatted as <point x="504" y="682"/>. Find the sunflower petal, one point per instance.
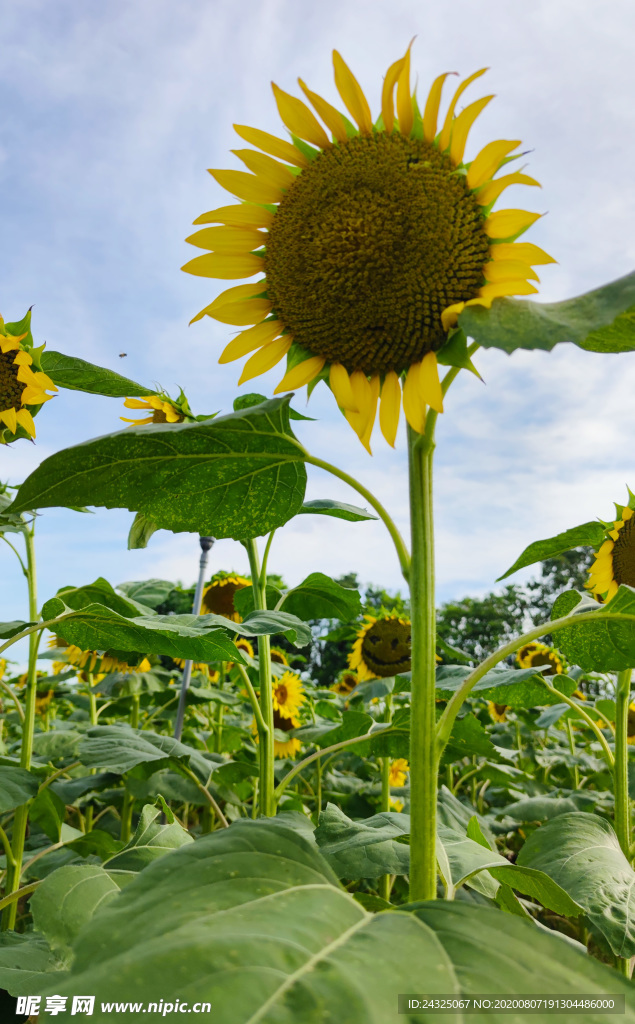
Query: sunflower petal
<point x="9" y="418"/>
<point x="8" y="344"/>
<point x="232" y="296"/>
<point x="224" y="265"/>
<point x="405" y="112"/>
<point x="340" y="385"/>
<point x="500" y="288"/>
<point x="352" y="94"/>
<point x="525" y="251"/>
<point x="508" y="270"/>
<point x="252" y="338"/>
<point x="362" y="396"/>
<point x="22" y="359"/>
<point x="266" y="358"/>
<point x="330" y="115"/>
<point x="462" y="125"/>
<point x="430" y="383"/>
<point x="32" y="395"/>
<point x="390" y="407"/>
<point x="507" y="223"/>
<point x="241" y="314"/>
<point x="272" y="145"/>
<point x="228" y="239"/>
<point x="485" y="165"/>
<point x="299" y="119"/>
<point x="414" y="406"/>
<point x="301" y="374"/>
<point x="372" y="412"/>
<point x="431" y="111"/>
<point x="489" y="193"/>
<point x="450" y="315"/>
<point x="25" y="420"/>
<point x="137" y="403"/>
<point x="247" y="186"/>
<point x="444" y="138"/>
<point x="245" y="215"/>
<point x="265" y="167"/>
<point x="388" y="94"/>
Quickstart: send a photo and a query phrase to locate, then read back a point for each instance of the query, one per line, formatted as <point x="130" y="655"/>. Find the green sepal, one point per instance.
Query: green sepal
<point x="308" y="151"/>
<point x="454" y="353"/>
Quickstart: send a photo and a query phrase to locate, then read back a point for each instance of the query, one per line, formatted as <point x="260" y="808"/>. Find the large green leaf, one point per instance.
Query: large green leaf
<point x="67" y="899"/>
<point x="582" y="854"/>
<point x="118" y="748"/>
<point x="599" y="646"/>
<point x="17" y="787"/>
<point x="578" y="536"/>
<point x="150" y="841"/>
<point x="599" y="321"/>
<point x="363" y="849"/>
<point x="239" y="475"/>
<point x="516" y="687"/>
<point x="337" y="509"/>
<point x="27" y="964"/>
<point x="151" y="592"/>
<point x="320" y="597"/>
<point x="78" y="375"/>
<point x="539" y="808"/>
<point x="251" y="919"/>
<point x="100" y="592"/>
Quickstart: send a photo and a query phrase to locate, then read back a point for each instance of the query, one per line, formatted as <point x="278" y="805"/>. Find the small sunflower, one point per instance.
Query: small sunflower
<point x="288" y="695"/>
<point x="3" y="667"/>
<point x="345" y="684"/>
<point x="382" y="648"/>
<point x="497" y="712"/>
<point x="43" y="701"/>
<point x="278" y="656"/>
<point x="534" y="654"/>
<point x="94" y="661"/>
<point x="291" y="746"/>
<point x="218" y="597"/>
<point x="23" y="386"/>
<point x="630" y="734"/>
<point x="245" y="646"/>
<point x="615" y="560"/>
<point x="396" y="805"/>
<point x="162" y="409"/>
<point x="372" y="238"/>
<point x="398" y="772"/>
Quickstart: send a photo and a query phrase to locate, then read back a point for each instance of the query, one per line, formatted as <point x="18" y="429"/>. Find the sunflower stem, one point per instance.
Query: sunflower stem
<point x="267" y="803"/>
<point x="424" y="761"/>
<point x="620" y="770"/>
<point x="385" y="882"/>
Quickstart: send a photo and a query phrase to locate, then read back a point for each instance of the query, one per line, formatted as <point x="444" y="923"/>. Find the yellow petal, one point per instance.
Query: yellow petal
<point x="388" y="94"/>
<point x="627" y="513"/>
<point x="444" y="138"/>
<point x="606" y="548"/>
<point x="137" y="423"/>
<point x="266" y="358"/>
<point x="265" y="167"/>
<point x="299" y="119"/>
<point x="413" y="405"/>
<point x="233" y="296"/>
<point x="34" y="396"/>
<point x="224" y="265"/>
<point x="507" y="223"/>
<point x="390" y="407"/>
<point x="228" y="239"/>
<point x="8" y="344"/>
<point x="247" y="186"/>
<point x="450" y="315"/>
<point x="44" y="380"/>
<point x="240" y="314"/>
<point x="431" y="111"/>
<point x="490" y="193"/>
<point x="247" y="341"/>
<point x="301" y="374"/>
<point x="405" y="113"/>
<point x="362" y="396"/>
<point x="136" y="403"/>
<point x="340" y="385"/>
<point x="22" y="359"/>
<point x="525" y="251"/>
<point x="372" y="412"/>
<point x="485" y="165"/>
<point x="272" y="145"/>
<point x="9" y="418"/>
<point x="331" y="117"/>
<point x="612" y="591"/>
<point x="25" y="420"/>
<point x="352" y="94"/>
<point x="495" y="291"/>
<point x="462" y="125"/>
<point x="509" y="270"/>
<point x="430" y="383"/>
<point x="246" y="215"/>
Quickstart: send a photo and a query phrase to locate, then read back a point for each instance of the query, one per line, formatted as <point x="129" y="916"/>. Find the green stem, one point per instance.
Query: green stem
<point x="385" y="882"/>
<point x="17" y="555"/>
<point x="35" y="628"/>
<point x="267" y="780"/>
<point x="253" y="697"/>
<point x="208" y="796"/>
<point x="265" y="559"/>
<point x="424" y="761"/>
<point x="320" y="753"/>
<point x="608" y="753"/>
<point x="9" y="692"/>
<point x="576" y="772"/>
<point x="620" y="771"/>
<point x="12" y="898"/>
<point x="397" y="539"/>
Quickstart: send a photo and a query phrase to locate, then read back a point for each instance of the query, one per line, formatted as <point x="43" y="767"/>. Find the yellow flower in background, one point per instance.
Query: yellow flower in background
<point x="93" y="661"/>
<point x="245" y="646"/>
<point x="382" y="648"/>
<point x="278" y="656"/>
<point x="162" y="410"/>
<point x="345" y="684"/>
<point x="288" y="695"/>
<point x="22" y="386"/>
<point x="366" y="240"/>
<point x="630" y="733"/>
<point x="218" y="597"/>
<point x="398" y="772"/>
<point x="396" y="805"/>
<point x="291" y="746"/>
<point x="3" y="667"/>
<point x="197" y="666"/>
<point x="497" y="712"/>
<point x="43" y="701"/>
<point x="615" y="561"/>
<point x="535" y="654"/>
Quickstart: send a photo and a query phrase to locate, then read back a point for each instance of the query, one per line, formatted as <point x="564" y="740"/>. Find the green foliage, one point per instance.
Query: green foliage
<point x="78" y="375"/>
<point x="605" y="645"/>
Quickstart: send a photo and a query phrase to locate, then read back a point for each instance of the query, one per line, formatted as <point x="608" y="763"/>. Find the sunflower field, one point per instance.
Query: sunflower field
<point x="263" y="803"/>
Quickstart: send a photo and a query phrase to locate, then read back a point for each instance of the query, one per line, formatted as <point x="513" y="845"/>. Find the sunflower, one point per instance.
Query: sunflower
<point x="288" y="695"/>
<point x="3" y="667"/>
<point x="372" y="238"/>
<point x="382" y="648"/>
<point x="218" y="597"/>
<point x="94" y="661"/>
<point x="345" y="684"/>
<point x="630" y="734"/>
<point x="245" y="646"/>
<point x="288" y="747"/>
<point x="396" y="805"/>
<point x="161" y="409"/>
<point x="535" y="654"/>
<point x="197" y="666"/>
<point x="615" y="560"/>
<point x="497" y="712"/>
<point x="42" y="701"/>
<point x="398" y="772"/>
<point x="23" y="386"/>
<point x="278" y="656"/>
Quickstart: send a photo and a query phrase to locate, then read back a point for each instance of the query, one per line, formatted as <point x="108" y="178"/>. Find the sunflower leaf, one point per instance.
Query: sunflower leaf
<point x="240" y="475"/>
<point x="337" y="509"/>
<point x="602" y="320"/>
<point x="140" y="532"/>
<point x="320" y="597"/>
<point x="118" y="748"/>
<point x="27" y="964"/>
<point x="516" y="687"/>
<point x="578" y="536"/>
<point x="78" y="375"/>
<point x="604" y="645"/>
<point x="17" y="787"/>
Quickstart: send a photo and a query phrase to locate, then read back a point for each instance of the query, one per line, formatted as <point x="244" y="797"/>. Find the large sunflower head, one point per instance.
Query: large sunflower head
<point x="218" y="597"/>
<point x="366" y="240"/>
<point x="382" y="648"/>
<point x="615" y="560"/>
<point x="23" y="386"/>
<point x="534" y="654"/>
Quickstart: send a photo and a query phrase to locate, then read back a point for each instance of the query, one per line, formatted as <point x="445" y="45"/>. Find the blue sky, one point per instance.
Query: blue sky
<point x="110" y="115"/>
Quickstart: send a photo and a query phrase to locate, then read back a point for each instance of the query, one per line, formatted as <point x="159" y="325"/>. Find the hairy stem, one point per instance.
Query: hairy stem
<point x="267" y="781"/>
<point x="620" y="770"/>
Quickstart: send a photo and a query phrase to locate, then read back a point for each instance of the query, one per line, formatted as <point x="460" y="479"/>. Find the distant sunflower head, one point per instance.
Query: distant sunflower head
<point x="535" y="654"/>
<point x="43" y="701"/>
<point x="245" y="646"/>
<point x="197" y="666"/>
<point x="615" y="560"/>
<point x="346" y="683"/>
<point x="366" y="240"/>
<point x="497" y="712"/>
<point x="288" y="695"/>
<point x="3" y="667"/>
<point x="95" y="661"/>
<point x="398" y="772"/>
<point x="218" y="597"/>
<point x="23" y="386"/>
<point x="382" y="648"/>
<point x="159" y="409"/>
<point x="631" y="723"/>
<point x="278" y="656"/>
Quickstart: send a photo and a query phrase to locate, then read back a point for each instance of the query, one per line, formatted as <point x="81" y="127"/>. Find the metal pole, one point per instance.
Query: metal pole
<point x="206" y="543"/>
